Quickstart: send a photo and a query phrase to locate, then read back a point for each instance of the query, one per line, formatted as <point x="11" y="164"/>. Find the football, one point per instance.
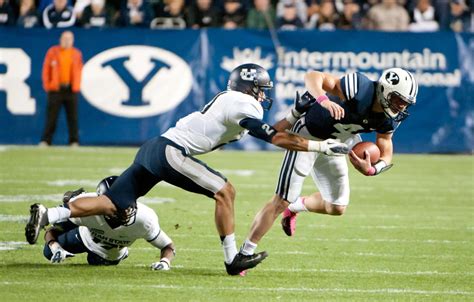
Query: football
<point x="374" y="151"/>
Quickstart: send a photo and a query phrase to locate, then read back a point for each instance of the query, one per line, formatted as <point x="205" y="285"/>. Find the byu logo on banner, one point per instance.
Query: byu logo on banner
<point x="136" y="81"/>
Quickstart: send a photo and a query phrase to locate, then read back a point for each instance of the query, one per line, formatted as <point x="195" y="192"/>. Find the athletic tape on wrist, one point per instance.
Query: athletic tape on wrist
<point x="314" y="146"/>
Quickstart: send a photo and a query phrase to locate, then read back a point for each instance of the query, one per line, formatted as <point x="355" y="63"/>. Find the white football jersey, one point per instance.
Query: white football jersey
<point x="217" y="124"/>
<point x="111" y="244"/>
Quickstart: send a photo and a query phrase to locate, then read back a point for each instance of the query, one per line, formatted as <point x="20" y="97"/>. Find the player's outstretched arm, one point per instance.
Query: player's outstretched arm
<point x="164" y="243"/>
<point x="51" y="238"/>
<point x="290" y="141"/>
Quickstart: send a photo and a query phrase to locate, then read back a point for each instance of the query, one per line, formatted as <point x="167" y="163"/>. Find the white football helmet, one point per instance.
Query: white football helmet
<point x="396" y="82"/>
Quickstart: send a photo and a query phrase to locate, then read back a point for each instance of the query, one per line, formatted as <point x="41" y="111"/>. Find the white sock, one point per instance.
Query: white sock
<point x="229" y="247"/>
<point x="248" y="248"/>
<point x="298" y="206"/>
<point x="58" y="214"/>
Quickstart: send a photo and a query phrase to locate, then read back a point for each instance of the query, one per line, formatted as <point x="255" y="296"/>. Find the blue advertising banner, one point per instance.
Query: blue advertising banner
<point x="138" y="83"/>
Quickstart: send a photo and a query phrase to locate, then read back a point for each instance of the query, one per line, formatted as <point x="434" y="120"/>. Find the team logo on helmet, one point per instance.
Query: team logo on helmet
<point x="248" y="74"/>
<point x="392" y="78"/>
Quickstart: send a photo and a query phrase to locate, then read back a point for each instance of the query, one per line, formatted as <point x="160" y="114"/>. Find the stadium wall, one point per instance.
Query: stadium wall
<point x="138" y="83"/>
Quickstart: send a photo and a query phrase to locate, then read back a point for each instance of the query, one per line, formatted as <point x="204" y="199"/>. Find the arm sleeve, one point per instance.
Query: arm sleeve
<point x="258" y="129"/>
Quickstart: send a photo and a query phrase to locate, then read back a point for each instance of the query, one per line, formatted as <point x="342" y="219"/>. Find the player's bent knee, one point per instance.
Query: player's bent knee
<point x="226" y="194"/>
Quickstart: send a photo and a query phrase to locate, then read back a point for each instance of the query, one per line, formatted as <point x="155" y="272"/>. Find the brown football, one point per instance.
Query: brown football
<point x="374" y="151"/>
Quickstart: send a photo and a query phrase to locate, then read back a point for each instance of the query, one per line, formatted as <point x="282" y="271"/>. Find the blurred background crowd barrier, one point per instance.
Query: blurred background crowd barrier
<point x="139" y="82"/>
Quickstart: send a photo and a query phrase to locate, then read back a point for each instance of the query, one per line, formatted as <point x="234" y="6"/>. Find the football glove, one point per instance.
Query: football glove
<point x="59" y="254"/>
<point x="162" y="265"/>
<point x="303" y="103"/>
<point x="329" y="147"/>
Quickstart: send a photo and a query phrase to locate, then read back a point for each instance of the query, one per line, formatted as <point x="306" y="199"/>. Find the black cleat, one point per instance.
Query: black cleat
<point x="71" y="194"/>
<point x="32" y="229"/>
<point x="243" y="262"/>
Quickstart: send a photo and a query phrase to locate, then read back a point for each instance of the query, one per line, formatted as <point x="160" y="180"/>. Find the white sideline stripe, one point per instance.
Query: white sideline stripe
<point x="156" y="200"/>
<point x="319" y="290"/>
<point x="11" y="245"/>
<point x="272" y="289"/>
<point x="76" y="183"/>
<point x="350" y="239"/>
<point x="31" y="198"/>
<point x="358" y="254"/>
<point x="244" y="173"/>
<point x="59" y="197"/>
<point x="14" y="218"/>
<point x="391" y="227"/>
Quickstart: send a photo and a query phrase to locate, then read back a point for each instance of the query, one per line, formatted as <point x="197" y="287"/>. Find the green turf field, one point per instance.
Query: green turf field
<point x="407" y="235"/>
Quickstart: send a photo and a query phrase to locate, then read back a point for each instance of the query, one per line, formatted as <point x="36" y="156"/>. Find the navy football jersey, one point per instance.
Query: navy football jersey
<point x="359" y="92"/>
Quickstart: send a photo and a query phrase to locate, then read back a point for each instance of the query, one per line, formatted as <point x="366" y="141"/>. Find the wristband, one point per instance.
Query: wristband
<point x="291" y="117"/>
<point x="372" y="171"/>
<point x="379" y="166"/>
<point x="322" y="98"/>
<point x="314" y="146"/>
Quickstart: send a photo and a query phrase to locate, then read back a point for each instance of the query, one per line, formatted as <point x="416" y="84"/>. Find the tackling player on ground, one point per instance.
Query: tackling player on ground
<point x="343" y="108"/>
<point x="104" y="238"/>
<point x="170" y="157"/>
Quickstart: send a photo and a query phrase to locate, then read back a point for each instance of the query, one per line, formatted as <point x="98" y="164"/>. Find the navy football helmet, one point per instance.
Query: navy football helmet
<point x="122" y="217"/>
<point x="251" y="79"/>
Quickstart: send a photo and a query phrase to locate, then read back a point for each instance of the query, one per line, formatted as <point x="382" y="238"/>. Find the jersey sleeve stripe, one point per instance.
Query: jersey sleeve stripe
<point x="351" y="86"/>
<point x="346" y="84"/>
<point x="356" y="84"/>
<point x="155" y="236"/>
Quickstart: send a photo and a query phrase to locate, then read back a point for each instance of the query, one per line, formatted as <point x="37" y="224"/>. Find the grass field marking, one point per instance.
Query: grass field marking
<point x="389" y="227"/>
<point x="309" y="238"/>
<point x="76" y="183"/>
<point x="354" y="271"/>
<point x="319" y="290"/>
<point x="31" y="198"/>
<point x="59" y="197"/>
<point x="396" y="291"/>
<point x="14" y="218"/>
<point x="359" y="254"/>
<point x="11" y="245"/>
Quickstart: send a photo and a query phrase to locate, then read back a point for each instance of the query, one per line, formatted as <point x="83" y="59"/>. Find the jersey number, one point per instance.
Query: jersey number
<point x="346" y="131"/>
<point x="268" y="129"/>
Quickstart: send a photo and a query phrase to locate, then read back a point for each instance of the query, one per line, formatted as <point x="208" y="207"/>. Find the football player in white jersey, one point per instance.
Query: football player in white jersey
<point x="170" y="157"/>
<point x="104" y="238"/>
<point x="344" y="107"/>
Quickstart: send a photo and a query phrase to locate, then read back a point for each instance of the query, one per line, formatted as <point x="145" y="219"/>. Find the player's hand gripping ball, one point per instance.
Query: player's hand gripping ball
<point x="374" y="151"/>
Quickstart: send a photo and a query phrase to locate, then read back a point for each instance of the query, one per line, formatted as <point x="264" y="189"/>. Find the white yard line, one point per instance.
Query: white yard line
<point x="11" y="245"/>
<point x="309" y="238"/>
<point x="394" y="291"/>
<point x="319" y="290"/>
<point x="13" y="218"/>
